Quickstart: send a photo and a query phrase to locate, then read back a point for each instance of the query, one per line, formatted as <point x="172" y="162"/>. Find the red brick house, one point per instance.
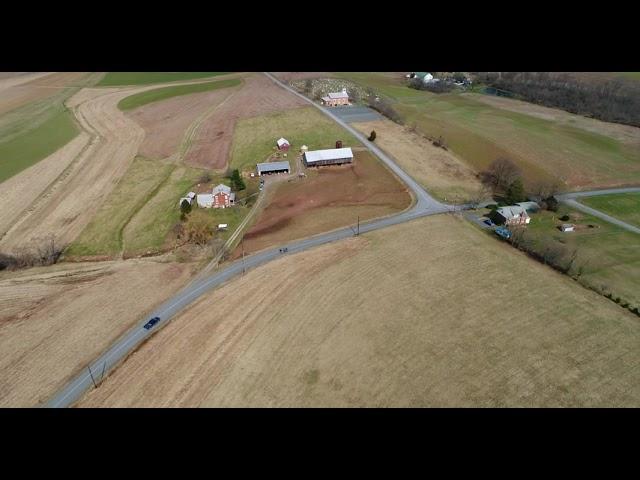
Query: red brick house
<point x="223" y="197"/>
<point x="336" y="98"/>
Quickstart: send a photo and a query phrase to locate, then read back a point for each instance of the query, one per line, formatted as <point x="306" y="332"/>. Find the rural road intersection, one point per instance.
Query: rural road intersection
<point x="424" y="205"/>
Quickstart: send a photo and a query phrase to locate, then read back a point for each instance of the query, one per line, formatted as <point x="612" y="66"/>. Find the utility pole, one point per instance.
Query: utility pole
<point x="104" y="367"/>
<point x="92" y="379"/>
<point x="358" y="230"/>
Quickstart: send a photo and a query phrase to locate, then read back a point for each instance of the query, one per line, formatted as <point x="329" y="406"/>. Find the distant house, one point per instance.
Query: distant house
<point x="333" y="156"/>
<point x="223" y="196"/>
<point x="426" y="77"/>
<point x="512" y="215"/>
<point x="283" y="144"/>
<point x="336" y="98"/>
<point x="205" y="200"/>
<point x="567" y="227"/>
<point x="270" y="168"/>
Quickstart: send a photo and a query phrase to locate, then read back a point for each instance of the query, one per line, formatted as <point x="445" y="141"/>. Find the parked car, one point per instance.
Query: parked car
<point x="149" y="325"/>
<point x="488" y="221"/>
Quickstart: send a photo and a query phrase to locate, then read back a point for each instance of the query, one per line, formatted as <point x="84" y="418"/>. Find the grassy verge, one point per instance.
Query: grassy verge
<point x="624" y="206"/>
<point x="254" y="138"/>
<point x="144" y="98"/>
<point x="103" y="236"/>
<point x="113" y="79"/>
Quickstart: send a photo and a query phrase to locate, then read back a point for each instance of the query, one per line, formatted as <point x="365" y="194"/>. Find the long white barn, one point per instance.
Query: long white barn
<point x="332" y="156"/>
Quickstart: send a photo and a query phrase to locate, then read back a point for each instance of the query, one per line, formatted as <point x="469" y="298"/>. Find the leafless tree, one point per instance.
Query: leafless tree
<point x="501" y="173"/>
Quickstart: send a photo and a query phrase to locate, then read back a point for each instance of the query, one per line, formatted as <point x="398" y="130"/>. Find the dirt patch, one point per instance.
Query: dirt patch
<point x="165" y="122"/>
<point x="54" y="320"/>
<point x="257" y="96"/>
<point x="329" y="197"/>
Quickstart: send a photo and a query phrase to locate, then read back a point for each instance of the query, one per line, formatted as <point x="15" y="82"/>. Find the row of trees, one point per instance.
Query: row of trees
<point x="39" y="252"/>
<point x="615" y="100"/>
<point x="383" y="106"/>
<point x="435" y="87"/>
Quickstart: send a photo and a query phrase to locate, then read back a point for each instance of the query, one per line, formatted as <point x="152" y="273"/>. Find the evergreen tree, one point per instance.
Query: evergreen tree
<point x="237" y="181"/>
<point x="372" y="136"/>
<point x="515" y="192"/>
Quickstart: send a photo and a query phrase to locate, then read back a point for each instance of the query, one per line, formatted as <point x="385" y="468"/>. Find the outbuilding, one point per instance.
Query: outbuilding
<point x="332" y="156"/>
<point x="223" y="196"/>
<point x="283" y="144"/>
<point x="205" y="200"/>
<point x="269" y="168"/>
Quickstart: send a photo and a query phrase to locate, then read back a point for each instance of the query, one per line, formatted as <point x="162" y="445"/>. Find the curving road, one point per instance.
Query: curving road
<point x="571" y="200"/>
<point x="424" y="205"/>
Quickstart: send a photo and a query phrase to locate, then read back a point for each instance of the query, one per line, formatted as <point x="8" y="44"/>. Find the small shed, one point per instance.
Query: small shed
<point x="283" y="144"/>
<point x="567" y="227"/>
<point x="304" y="148"/>
<point x="222" y="226"/>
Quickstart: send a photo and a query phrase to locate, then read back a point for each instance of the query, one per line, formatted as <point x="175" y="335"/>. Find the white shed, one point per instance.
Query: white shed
<point x="567" y="227"/>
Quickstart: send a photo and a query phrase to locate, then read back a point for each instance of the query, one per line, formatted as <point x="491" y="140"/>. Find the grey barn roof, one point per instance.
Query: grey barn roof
<point x="330" y="154"/>
<point x="273" y="166"/>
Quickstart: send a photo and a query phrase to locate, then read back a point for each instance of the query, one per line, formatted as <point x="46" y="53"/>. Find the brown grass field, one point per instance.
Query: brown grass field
<point x="438" y="170"/>
<point x="428" y="313"/>
<point x="328" y="198"/>
<point x="257" y="96"/>
<point x="54" y="320"/>
<point x="165" y="122"/>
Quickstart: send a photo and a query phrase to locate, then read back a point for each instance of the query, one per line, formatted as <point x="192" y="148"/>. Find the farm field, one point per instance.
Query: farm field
<point x="327" y="198"/>
<point x="478" y="133"/>
<point x="624" y="206"/>
<point x="439" y="171"/>
<point x="34" y="122"/>
<point x="405" y="316"/>
<point x="159" y="94"/>
<point x="54" y="320"/>
<point x="103" y="235"/>
<point x="254" y="138"/>
<point x="258" y="95"/>
<point x="610" y="255"/>
<point x="165" y="123"/>
<point x="116" y="79"/>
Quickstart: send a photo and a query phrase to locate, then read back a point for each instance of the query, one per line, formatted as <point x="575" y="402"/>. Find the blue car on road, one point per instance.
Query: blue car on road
<point x="151" y="323"/>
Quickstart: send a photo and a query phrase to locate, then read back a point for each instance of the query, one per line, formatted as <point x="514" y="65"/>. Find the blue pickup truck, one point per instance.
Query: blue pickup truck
<point x="149" y="325"/>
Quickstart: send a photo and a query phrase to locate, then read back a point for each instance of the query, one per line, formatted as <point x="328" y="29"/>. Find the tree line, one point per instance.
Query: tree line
<point x="616" y="100"/>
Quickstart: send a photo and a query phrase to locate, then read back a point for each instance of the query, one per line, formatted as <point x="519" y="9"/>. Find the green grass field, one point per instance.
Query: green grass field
<point x="144" y="98"/>
<point x="624" y="206"/>
<point x="103" y="236"/>
<point x="33" y="144"/>
<point x="113" y="79"/>
<point x="34" y="131"/>
<point x="479" y="133"/>
<point x="610" y="255"/>
<point x="255" y="138"/>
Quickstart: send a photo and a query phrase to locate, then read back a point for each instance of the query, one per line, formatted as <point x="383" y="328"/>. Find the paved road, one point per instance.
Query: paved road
<point x="424" y="205"/>
<point x="570" y="199"/>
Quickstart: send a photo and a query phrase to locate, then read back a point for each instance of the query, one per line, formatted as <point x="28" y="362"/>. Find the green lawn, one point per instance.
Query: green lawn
<point x="610" y="255"/>
<point x="143" y="78"/>
<point x="33" y="144"/>
<point x="103" y="236"/>
<point x="623" y="206"/>
<point x="479" y="133"/>
<point x="143" y="98"/>
<point x="255" y="138"/>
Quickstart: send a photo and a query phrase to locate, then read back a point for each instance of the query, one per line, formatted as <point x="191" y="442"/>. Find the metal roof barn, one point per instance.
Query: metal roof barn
<point x="273" y="167"/>
<point x="327" y="157"/>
